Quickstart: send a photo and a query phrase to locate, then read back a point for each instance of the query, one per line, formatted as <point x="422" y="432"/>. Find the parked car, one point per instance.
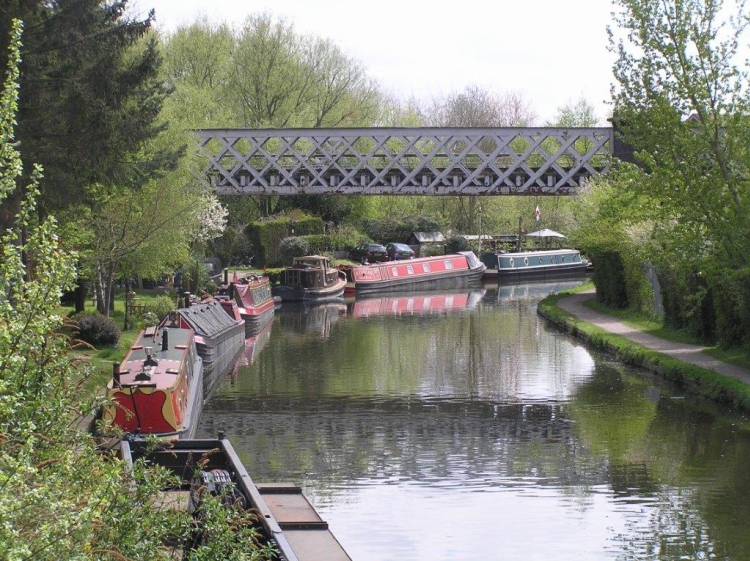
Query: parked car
<point x="398" y="251"/>
<point x="373" y="252"/>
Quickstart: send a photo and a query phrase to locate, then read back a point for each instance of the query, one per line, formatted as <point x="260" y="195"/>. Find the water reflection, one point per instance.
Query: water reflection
<point x="480" y="433"/>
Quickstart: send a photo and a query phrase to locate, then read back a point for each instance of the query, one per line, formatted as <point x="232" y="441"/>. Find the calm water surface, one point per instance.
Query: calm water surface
<point x="463" y="427"/>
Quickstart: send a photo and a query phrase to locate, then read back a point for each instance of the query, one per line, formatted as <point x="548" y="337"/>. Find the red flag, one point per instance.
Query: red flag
<point x="537" y="213"/>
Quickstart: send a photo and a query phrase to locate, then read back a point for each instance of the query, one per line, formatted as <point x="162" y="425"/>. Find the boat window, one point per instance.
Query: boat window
<point x="448" y="264"/>
<point x="394" y="271"/>
<point x="525" y="260"/>
<point x="426" y="267"/>
<point x="512" y="262"/>
<point x="410" y="269"/>
<point x="540" y="260"/>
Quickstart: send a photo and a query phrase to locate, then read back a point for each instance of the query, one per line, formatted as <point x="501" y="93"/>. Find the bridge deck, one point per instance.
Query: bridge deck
<point x="405" y="161"/>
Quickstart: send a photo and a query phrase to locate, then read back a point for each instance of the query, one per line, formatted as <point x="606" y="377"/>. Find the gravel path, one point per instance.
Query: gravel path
<point x="692" y="354"/>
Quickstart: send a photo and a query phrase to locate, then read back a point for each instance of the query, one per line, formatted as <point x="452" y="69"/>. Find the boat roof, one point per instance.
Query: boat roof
<point x="207" y="319"/>
<point x="146" y="364"/>
<point x="315" y="260"/>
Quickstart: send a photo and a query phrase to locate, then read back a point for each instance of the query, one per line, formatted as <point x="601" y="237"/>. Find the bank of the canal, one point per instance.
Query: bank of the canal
<point x="683" y="363"/>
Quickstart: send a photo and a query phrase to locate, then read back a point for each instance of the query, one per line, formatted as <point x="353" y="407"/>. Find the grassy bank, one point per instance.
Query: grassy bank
<point x="695" y="379"/>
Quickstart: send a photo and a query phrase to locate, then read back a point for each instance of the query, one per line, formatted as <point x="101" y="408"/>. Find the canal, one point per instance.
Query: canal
<point x="460" y="426"/>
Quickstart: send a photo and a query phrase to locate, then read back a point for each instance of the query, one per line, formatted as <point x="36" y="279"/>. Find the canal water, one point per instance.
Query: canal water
<point x="458" y="426"/>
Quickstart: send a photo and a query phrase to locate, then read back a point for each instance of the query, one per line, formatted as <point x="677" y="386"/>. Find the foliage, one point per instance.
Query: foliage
<point x="292" y="247"/>
<point x="61" y="497"/>
<point x="90" y="95"/>
<point x="392" y="229"/>
<point x="153" y="310"/>
<point x="266" y="235"/>
<point x="455" y="244"/>
<point x="682" y="103"/>
<point x="97" y="330"/>
<point x="232" y="247"/>
<point x="609" y="278"/>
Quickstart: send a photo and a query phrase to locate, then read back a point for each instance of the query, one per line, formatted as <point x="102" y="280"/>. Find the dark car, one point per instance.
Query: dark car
<point x="372" y="252"/>
<point x="398" y="251"/>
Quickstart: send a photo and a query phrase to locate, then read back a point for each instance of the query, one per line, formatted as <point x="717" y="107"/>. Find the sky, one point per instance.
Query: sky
<point x="551" y="52"/>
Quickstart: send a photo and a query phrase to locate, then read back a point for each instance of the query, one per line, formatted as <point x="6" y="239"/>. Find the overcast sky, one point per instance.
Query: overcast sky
<point x="552" y="52"/>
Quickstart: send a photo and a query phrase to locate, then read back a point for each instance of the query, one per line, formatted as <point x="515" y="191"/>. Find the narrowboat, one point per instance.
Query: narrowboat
<point x="254" y="299"/>
<point x="535" y="265"/>
<point x="419" y="304"/>
<point x="157" y="390"/>
<point x="440" y="271"/>
<point x="219" y="336"/>
<point x="284" y="518"/>
<point x="311" y="278"/>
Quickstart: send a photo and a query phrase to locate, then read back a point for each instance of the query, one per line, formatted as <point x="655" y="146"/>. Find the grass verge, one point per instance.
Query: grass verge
<point x="693" y="378"/>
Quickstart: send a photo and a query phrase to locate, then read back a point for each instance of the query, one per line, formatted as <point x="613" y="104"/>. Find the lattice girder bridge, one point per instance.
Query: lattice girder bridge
<point x="405" y="161"/>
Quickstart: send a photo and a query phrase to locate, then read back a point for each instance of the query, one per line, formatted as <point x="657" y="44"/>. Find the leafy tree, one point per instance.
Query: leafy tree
<point x="60" y="496"/>
<point x="682" y="102"/>
<point x="89" y="95"/>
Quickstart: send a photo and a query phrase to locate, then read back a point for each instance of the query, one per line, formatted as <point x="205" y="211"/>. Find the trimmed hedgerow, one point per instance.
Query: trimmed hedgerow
<point x="97" y="330"/>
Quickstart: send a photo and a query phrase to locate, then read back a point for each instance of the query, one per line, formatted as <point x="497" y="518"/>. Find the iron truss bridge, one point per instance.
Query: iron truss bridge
<point x="405" y="161"/>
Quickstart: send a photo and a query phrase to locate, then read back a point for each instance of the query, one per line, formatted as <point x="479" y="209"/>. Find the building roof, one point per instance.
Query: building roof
<point x="428" y="237"/>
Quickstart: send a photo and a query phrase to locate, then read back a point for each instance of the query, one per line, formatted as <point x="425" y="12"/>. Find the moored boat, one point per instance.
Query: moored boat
<point x="157" y="389"/>
<point x="219" y="336"/>
<point x="284" y="518"/>
<point x="440" y="271"/>
<point x="254" y="299"/>
<point x="536" y="265"/>
<point x="311" y="278"/>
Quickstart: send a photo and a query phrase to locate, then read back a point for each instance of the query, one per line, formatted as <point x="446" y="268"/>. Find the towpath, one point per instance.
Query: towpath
<point x="692" y="354"/>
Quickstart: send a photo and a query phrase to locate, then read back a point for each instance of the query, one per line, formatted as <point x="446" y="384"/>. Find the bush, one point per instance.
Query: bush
<point x="97" y="330"/>
<point x="455" y="244"/>
<point x="152" y="311"/>
<point x="289" y="248"/>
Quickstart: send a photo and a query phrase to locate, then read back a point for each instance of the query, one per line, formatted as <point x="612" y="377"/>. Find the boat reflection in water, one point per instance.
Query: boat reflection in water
<point x="253" y="346"/>
<point x="311" y="317"/>
<point x="535" y="290"/>
<point x="424" y="303"/>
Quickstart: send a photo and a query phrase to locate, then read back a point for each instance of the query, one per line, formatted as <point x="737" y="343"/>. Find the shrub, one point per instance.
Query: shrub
<point x="455" y="244"/>
<point x="97" y="330"/>
<point x="152" y="311"/>
<point x="289" y="248"/>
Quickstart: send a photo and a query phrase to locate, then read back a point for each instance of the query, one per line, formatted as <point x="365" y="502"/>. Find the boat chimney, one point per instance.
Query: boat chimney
<point x="226" y="275"/>
<point x="116" y="374"/>
<point x="186" y="295"/>
<point x="165" y="340"/>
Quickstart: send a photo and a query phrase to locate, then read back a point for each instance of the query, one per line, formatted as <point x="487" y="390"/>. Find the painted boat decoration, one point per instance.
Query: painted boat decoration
<point x="157" y="390"/>
<point x="430" y="303"/>
<point x="540" y="264"/>
<point x="440" y="271"/>
<point x="254" y="299"/>
<point x="283" y="516"/>
<point x="219" y="336"/>
<point x="311" y="278"/>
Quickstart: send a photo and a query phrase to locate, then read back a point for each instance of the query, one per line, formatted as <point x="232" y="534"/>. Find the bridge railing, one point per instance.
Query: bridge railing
<point x="405" y="161"/>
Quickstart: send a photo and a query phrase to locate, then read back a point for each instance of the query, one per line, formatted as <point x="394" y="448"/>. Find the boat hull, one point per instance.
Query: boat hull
<point x="537" y="265"/>
<point x="157" y="389"/>
<point x="461" y="270"/>
<point x="299" y="293"/>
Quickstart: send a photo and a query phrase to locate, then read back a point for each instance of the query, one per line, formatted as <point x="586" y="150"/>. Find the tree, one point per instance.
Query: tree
<point x="89" y="95"/>
<point x="476" y="107"/>
<point x="682" y="102"/>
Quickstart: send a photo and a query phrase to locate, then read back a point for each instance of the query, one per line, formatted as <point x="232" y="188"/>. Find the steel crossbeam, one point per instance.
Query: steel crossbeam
<point x="404" y="161"/>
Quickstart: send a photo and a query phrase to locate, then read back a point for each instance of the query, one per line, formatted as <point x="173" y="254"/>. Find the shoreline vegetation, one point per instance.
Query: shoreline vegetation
<point x="697" y="380"/>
